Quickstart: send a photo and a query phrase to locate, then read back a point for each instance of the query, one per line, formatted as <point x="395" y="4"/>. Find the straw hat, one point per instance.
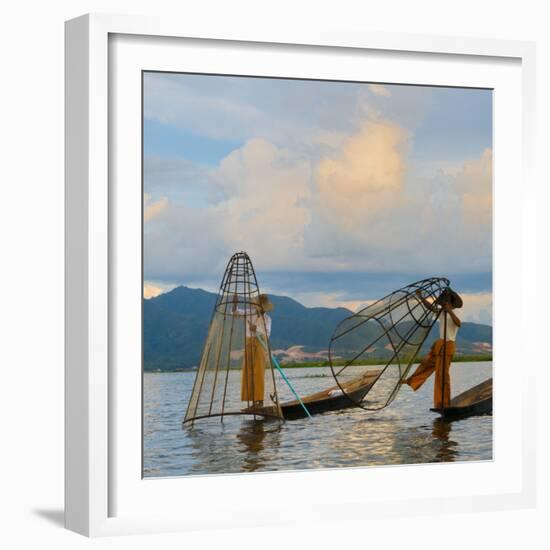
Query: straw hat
<point x="265" y="304"/>
<point x="449" y="295"/>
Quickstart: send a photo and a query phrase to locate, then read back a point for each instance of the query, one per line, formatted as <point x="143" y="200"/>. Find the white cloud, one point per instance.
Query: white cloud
<point x="475" y="186"/>
<point x="278" y="110"/>
<point x="183" y="243"/>
<point x="329" y="299"/>
<point x="174" y="101"/>
<point x="366" y="176"/>
<point x="151" y="289"/>
<point x="477" y="308"/>
<point x="151" y="209"/>
<point x="328" y="180"/>
<point x="362" y="208"/>
<point x="377" y="213"/>
<point x="322" y="185"/>
<point x="378" y="89"/>
<point x="266" y="212"/>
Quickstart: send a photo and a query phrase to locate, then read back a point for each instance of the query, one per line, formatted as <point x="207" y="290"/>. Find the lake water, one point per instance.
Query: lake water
<point x="406" y="432"/>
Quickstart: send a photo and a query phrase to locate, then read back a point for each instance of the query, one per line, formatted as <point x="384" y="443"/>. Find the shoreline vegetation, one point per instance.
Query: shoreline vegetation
<point x="325" y="363"/>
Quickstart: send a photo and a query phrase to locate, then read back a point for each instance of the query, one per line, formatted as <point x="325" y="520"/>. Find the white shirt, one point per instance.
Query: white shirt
<point x="252" y="317"/>
<point x="452" y="328"/>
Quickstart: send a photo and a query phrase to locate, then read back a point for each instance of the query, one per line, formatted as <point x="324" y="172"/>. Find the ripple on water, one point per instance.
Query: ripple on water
<point x="404" y="433"/>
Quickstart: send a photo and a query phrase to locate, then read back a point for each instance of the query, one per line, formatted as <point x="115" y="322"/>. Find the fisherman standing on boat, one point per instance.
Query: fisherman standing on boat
<point x="256" y="357"/>
<point x="445" y="345"/>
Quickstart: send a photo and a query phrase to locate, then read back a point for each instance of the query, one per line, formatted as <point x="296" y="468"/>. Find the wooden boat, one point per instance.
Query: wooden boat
<point x="476" y="401"/>
<point x="331" y="399"/>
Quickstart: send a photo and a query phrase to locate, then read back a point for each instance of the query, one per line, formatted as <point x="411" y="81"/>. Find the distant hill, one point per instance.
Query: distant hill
<point x="176" y="324"/>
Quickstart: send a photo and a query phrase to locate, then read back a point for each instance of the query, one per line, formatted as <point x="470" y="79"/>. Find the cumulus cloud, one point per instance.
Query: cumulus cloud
<point x="367" y="174"/>
<point x="477" y="307"/>
<point x="329" y="299"/>
<point x="239" y="109"/>
<point x="474" y="183"/>
<point x="152" y="208"/>
<point x="153" y="289"/>
<point x="378" y="89"/>
<point x="150" y="290"/>
<point x="264" y="211"/>
<point x="184" y="243"/>
<point x="385" y="216"/>
<point x="179" y="101"/>
<point x="362" y="208"/>
<point x="315" y="187"/>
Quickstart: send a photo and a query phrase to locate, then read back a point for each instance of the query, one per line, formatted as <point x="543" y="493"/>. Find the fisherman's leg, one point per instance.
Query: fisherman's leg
<point x="244" y="376"/>
<point x="247" y="377"/>
<point x="259" y="373"/>
<point x="422" y="372"/>
<point x="442" y="390"/>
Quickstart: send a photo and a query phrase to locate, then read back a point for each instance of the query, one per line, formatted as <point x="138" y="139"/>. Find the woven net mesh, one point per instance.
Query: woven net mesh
<point x="379" y="343"/>
<point x="235" y="375"/>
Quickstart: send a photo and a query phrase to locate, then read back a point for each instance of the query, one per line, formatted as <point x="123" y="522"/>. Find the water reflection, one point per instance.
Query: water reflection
<point x="447" y="451"/>
<point x="404" y="433"/>
<point x="252" y="439"/>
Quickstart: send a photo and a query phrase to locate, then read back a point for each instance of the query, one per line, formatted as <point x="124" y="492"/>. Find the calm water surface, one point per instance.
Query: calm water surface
<point x="406" y="432"/>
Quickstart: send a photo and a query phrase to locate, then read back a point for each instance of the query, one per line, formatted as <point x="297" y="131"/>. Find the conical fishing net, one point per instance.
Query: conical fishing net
<point x="235" y="375"/>
<point x="375" y="348"/>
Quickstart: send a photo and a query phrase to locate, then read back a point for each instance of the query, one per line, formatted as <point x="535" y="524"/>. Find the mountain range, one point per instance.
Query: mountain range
<point x="175" y="326"/>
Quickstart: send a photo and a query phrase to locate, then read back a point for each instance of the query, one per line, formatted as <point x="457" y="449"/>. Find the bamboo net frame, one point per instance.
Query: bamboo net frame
<point x="235" y="375"/>
<point x="384" y="337"/>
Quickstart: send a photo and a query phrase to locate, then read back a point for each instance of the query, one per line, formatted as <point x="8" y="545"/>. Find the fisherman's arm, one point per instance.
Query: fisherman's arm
<point x="425" y="303"/>
<point x="453" y="315"/>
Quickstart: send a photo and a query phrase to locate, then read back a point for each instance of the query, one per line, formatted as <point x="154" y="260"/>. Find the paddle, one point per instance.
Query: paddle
<point x="444" y="362"/>
<point x="278" y="367"/>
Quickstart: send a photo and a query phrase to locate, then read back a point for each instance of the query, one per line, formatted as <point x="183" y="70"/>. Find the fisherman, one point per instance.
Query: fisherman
<point x="445" y="345"/>
<point x="256" y="357"/>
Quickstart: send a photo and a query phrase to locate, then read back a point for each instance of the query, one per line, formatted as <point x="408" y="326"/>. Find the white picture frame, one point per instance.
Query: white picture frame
<point x="101" y="423"/>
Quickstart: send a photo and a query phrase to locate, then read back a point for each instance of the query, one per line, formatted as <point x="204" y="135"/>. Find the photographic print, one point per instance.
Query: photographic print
<point x="317" y="274"/>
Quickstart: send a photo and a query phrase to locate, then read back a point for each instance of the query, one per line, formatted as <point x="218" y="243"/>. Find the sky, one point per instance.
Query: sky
<point x="340" y="192"/>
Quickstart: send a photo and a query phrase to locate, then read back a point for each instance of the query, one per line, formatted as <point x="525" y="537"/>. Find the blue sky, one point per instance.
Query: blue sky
<point x="340" y="192"/>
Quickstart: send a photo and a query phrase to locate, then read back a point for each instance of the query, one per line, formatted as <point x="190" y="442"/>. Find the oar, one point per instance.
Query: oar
<point x="444" y="363"/>
<point x="278" y="367"/>
<point x="276" y="363"/>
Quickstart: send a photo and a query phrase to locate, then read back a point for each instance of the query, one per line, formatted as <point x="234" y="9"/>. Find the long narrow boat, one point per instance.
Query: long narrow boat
<point x="331" y="399"/>
<point x="476" y="401"/>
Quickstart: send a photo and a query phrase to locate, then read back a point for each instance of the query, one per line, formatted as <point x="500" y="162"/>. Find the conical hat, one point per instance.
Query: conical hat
<point x="449" y="295"/>
<point x="265" y="303"/>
